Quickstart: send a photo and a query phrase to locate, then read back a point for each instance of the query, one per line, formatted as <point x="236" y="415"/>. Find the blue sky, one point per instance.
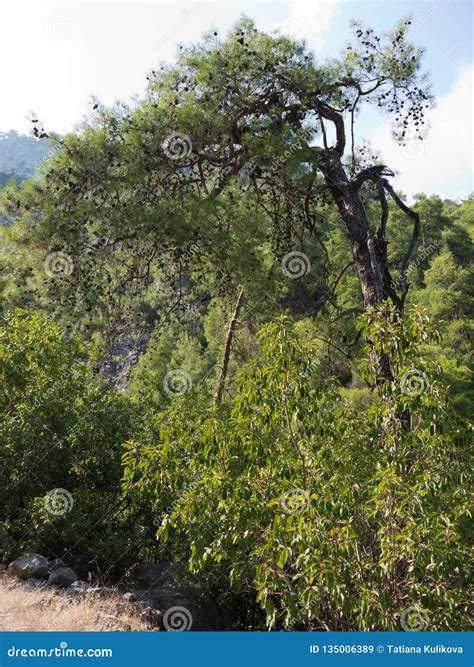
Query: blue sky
<point x="444" y="29"/>
<point x="59" y="54"/>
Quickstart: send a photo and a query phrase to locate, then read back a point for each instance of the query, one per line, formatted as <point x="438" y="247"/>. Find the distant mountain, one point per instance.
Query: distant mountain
<point x="19" y="155"/>
<point x="4" y="178"/>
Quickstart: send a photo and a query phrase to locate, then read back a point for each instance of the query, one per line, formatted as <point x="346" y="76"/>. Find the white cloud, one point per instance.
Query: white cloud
<point x="70" y="50"/>
<point x="443" y="162"/>
<point x="309" y="20"/>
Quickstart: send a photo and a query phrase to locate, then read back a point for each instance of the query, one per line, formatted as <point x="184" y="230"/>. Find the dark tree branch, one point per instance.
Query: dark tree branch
<point x="374" y="261"/>
<point x="227" y="349"/>
<point x="331" y="114"/>
<point x="371" y="174"/>
<point x="384" y="215"/>
<point x="352" y="128"/>
<point x="416" y="223"/>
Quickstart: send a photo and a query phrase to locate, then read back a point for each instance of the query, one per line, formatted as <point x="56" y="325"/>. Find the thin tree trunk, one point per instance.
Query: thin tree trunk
<point x="352" y="211"/>
<point x="228" y="345"/>
<point x="367" y="258"/>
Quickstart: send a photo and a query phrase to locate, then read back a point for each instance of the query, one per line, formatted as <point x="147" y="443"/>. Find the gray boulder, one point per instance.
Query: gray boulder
<point x="77" y="588"/>
<point x="62" y="577"/>
<point x="179" y="608"/>
<point x="55" y="564"/>
<point x="164" y="574"/>
<point x="150" y="576"/>
<point x="84" y="564"/>
<point x="150" y="616"/>
<point x="29" y="566"/>
<point x="32" y="585"/>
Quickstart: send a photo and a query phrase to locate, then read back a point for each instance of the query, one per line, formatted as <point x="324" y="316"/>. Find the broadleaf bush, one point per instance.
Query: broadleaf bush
<point x="328" y="516"/>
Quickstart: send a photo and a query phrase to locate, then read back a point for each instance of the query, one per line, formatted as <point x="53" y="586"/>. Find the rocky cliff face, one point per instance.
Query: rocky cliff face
<point x="124" y="356"/>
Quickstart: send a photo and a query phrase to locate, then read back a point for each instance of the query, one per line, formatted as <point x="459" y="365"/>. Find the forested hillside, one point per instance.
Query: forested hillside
<point x="228" y="341"/>
<point x="20" y="155"/>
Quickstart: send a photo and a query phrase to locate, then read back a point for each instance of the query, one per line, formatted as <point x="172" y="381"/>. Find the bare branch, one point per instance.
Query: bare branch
<point x="373" y="174"/>
<point x="331" y="114"/>
<point x="416" y="223"/>
<point x="227" y="349"/>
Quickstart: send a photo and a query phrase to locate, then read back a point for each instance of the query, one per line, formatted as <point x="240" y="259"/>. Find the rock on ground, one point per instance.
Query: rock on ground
<point x="55" y="565"/>
<point x="29" y="566"/>
<point x="62" y="577"/>
<point x="179" y="608"/>
<point x="163" y="574"/>
<point x="77" y="588"/>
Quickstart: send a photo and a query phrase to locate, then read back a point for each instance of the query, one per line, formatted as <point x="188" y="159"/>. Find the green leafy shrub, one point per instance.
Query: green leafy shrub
<point x="329" y="516"/>
<point x="60" y="429"/>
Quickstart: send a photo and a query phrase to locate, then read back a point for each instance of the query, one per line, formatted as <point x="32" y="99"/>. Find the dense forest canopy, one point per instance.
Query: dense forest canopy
<point x="226" y="250"/>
